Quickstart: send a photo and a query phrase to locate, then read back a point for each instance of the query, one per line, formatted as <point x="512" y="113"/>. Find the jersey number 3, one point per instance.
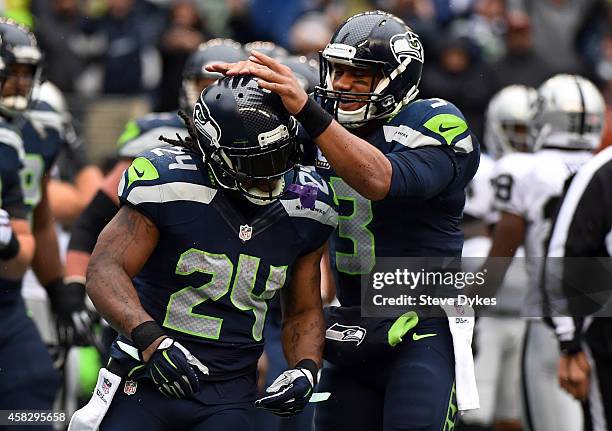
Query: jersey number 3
<point x="179" y="313"/>
<point x="354" y="228"/>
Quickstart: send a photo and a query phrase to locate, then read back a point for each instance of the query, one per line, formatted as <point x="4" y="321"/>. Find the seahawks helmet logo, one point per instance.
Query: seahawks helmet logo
<point x="206" y="124"/>
<point x="340" y="332"/>
<point x="406" y="45"/>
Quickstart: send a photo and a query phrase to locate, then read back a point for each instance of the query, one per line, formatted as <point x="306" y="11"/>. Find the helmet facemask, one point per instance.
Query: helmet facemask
<point x="382" y="44"/>
<point x="14" y="104"/>
<point x="378" y="103"/>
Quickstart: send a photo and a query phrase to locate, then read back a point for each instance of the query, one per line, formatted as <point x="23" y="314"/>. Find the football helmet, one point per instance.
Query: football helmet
<point x="306" y="71"/>
<point x="246" y="136"/>
<point x="268" y="48"/>
<point x="568" y="113"/>
<point x="210" y="52"/>
<point x="384" y="44"/>
<point x="507" y="120"/>
<point x="18" y="46"/>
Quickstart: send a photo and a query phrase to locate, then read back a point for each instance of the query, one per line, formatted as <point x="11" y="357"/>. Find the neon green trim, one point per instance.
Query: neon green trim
<point x="401" y="326"/>
<point x="160" y="373"/>
<point x="133" y="370"/>
<point x="130" y="132"/>
<point x="22" y="16"/>
<point x="448" y="126"/>
<point x="417" y="337"/>
<point x="165" y="353"/>
<point x="451" y="412"/>
<point x="89" y="365"/>
<point x="141" y="169"/>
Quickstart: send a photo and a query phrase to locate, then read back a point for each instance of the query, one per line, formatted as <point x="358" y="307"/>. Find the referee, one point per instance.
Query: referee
<point x="578" y="283"/>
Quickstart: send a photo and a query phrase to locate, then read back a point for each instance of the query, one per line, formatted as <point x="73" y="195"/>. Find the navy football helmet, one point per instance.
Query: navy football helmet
<point x="268" y="48"/>
<point x="246" y="135"/>
<point x="306" y="71"/>
<point x="384" y="44"/>
<point x="18" y="46"/>
<point x="210" y="52"/>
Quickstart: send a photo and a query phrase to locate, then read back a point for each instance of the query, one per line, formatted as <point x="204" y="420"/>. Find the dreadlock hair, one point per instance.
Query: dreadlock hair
<point x="190" y="142"/>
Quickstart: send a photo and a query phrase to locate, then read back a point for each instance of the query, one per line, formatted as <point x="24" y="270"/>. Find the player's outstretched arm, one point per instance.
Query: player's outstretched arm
<point x="123" y="247"/>
<point x="47" y="264"/>
<point x="361" y="165"/>
<point x="90" y="223"/>
<point x="13" y="266"/>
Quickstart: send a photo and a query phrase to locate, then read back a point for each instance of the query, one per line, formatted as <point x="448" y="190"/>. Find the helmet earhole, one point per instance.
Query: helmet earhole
<point x="218" y="96"/>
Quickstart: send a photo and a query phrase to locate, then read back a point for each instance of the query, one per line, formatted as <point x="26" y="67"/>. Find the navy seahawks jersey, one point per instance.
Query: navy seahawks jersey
<point x="214" y="270"/>
<point x="42" y="129"/>
<point x="142" y="134"/>
<point x="428" y="140"/>
<point x="11" y="162"/>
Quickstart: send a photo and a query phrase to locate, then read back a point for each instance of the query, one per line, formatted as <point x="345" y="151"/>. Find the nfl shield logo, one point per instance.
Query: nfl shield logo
<point x="245" y="232"/>
<point x="106" y="385"/>
<point x="130" y="387"/>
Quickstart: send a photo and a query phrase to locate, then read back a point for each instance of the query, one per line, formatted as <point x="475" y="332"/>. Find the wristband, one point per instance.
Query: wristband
<point x="313" y="118"/>
<point x="311" y="366"/>
<point x="570" y="348"/>
<point x="145" y="333"/>
<point x="11" y="249"/>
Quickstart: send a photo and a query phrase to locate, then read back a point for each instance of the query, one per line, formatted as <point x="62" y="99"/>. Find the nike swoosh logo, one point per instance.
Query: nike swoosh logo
<point x="417" y="337"/>
<point x="140" y="174"/>
<point x="443" y="129"/>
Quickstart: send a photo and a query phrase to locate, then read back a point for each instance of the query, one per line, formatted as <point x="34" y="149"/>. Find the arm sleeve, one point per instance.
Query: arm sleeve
<point x="90" y="223"/>
<point x="422" y="172"/>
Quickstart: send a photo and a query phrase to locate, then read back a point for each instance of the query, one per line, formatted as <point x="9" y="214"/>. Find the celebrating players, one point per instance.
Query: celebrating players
<point x="399" y="167"/>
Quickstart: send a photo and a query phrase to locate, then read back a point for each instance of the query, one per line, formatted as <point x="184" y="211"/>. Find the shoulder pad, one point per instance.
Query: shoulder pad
<point x="430" y="122"/>
<point x="166" y="174"/>
<point x="143" y="133"/>
<point x="12" y="138"/>
<point x="45" y="115"/>
<point x="325" y="210"/>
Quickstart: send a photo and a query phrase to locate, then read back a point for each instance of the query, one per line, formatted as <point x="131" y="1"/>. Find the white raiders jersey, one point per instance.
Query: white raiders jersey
<point x="479" y="192"/>
<point x="530" y="186"/>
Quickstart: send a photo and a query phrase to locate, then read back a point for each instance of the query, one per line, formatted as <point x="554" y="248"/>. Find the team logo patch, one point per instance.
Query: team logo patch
<point x="106" y="385"/>
<point x="340" y="332"/>
<point x="130" y="387"/>
<point x="246" y="232"/>
<point x="205" y="123"/>
<point x="406" y="45"/>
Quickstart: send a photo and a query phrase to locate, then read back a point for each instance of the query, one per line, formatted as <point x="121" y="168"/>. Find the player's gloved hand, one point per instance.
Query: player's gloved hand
<point x="290" y="392"/>
<point x="173" y="370"/>
<point x="9" y="246"/>
<point x="73" y="319"/>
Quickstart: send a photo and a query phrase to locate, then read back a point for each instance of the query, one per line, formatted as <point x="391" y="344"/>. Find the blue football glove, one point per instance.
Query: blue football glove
<point x="173" y="370"/>
<point x="290" y="392"/>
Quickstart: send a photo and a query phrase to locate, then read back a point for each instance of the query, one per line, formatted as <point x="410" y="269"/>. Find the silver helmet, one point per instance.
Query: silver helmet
<point x="568" y="113"/>
<point x="507" y="120"/>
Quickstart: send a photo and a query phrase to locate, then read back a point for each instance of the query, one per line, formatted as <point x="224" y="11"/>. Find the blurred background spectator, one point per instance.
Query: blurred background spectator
<point x="520" y="64"/>
<point x="183" y="32"/>
<point x="455" y="72"/>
